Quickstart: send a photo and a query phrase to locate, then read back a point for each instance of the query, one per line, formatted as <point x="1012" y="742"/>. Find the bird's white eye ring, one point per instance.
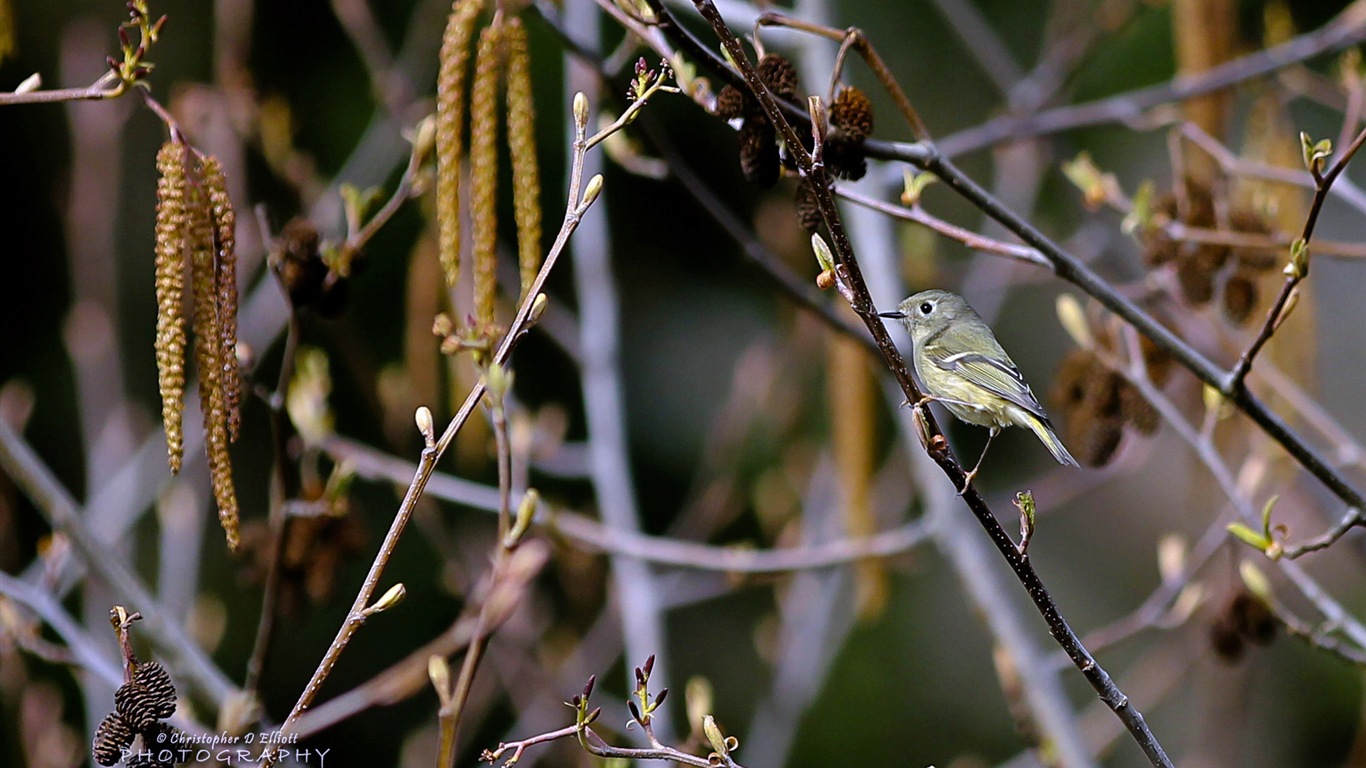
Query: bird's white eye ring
<point x="926" y="308"/>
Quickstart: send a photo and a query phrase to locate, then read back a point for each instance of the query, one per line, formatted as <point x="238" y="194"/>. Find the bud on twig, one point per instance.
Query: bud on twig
<point x="823" y="255"/>
<point x="592" y="190"/>
<point x="423" y="417"/>
<point x="389" y="599"/>
<point x="424" y="137"/>
<point x="526" y="512"/>
<point x="581" y="110"/>
<point x="538" y="306"/>
<point x="815" y="106"/>
<point x="439" y="671"/>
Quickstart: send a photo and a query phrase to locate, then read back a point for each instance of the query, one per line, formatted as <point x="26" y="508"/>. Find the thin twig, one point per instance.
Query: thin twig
<point x="407" y="188"/>
<point x="1326" y="539"/>
<point x="1209" y="455"/>
<point x="97" y="91"/>
<point x="285" y="491"/>
<point x="1070" y="268"/>
<point x="518" y="747"/>
<point x="854" y="38"/>
<point x="399" y="681"/>
<point x="595" y="744"/>
<point x="1295" y="273"/>
<point x="580" y="200"/>
<point x="802" y="291"/>
<point x="451" y="711"/>
<point x="967" y="237"/>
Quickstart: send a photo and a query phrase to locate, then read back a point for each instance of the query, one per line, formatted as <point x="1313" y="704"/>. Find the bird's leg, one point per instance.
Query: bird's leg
<point x="967" y="480"/>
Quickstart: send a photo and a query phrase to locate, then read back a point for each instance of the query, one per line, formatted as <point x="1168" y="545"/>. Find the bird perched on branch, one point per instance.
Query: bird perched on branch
<point x="960" y="364"/>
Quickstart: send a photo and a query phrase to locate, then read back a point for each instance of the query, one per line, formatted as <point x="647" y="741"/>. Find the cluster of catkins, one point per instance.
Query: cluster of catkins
<point x="851" y="123"/>
<point x="1206" y="271"/>
<point x="140" y="707"/>
<point x="1246" y="619"/>
<point x="1099" y="402"/>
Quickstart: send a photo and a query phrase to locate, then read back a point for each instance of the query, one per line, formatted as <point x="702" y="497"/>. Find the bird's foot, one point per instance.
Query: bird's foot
<point x="967" y="482"/>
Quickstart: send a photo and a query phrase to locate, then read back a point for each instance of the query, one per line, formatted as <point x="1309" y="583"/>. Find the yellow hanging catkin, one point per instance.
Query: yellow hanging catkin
<point x="450" y="123"/>
<point x="207" y="355"/>
<point x="484" y="170"/>
<point x="170" y="289"/>
<point x="225" y="289"/>
<point x="526" y="176"/>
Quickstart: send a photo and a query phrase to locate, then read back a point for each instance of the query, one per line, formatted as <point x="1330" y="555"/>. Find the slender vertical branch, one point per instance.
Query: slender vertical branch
<point x="581" y="198"/>
<point x="286" y="489"/>
<point x="452" y="711"/>
<point x="635" y="587"/>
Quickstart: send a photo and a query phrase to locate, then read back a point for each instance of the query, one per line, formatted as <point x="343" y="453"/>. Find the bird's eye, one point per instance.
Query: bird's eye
<point x="926" y="308"/>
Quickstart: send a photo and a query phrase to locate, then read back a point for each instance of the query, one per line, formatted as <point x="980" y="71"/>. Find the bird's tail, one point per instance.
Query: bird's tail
<point x="1044" y="431"/>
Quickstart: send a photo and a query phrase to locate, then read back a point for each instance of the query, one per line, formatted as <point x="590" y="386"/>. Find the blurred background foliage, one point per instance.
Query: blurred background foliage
<point x="728" y="405"/>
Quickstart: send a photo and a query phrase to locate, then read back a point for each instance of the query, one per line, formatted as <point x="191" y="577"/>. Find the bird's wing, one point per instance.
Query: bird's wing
<point x="998" y="376"/>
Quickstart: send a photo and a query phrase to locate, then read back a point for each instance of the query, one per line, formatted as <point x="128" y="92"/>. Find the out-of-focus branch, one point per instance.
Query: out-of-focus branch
<point x="285" y="489"/>
<point x="601" y="379"/>
<point x="1345" y="30"/>
<point x="1348" y="28"/>
<point x="19" y="460"/>
<point x="1208" y="454"/>
<point x="588" y="532"/>
<point x="81" y="647"/>
<point x="389" y="84"/>
<point x="453" y="703"/>
<point x="981" y="42"/>
<point x="968" y="238"/>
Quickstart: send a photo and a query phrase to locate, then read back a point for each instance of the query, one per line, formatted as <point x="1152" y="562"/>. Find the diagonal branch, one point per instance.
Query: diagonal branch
<point x="19" y="461"/>
<point x="1298" y="269"/>
<point x="937" y="446"/>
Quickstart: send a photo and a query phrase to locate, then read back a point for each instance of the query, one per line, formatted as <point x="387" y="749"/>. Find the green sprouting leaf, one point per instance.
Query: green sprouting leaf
<point x="1249" y="536"/>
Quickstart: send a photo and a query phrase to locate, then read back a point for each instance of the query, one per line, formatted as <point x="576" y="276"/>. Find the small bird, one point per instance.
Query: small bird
<point x="960" y="364"/>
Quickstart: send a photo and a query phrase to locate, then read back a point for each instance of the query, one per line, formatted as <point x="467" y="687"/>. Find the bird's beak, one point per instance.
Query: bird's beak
<point x="894" y="314"/>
